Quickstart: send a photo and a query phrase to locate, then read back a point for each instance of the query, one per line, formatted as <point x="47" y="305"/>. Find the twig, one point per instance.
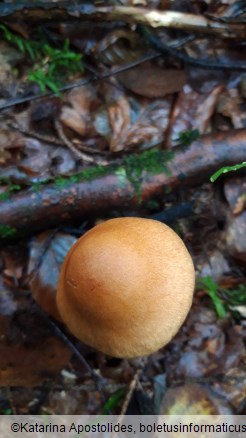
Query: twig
<point x="131" y="388"/>
<point x="133" y="385"/>
<point x="98" y="380"/>
<point x="76" y="11"/>
<point x="82" y="155"/>
<point x="204" y="63"/>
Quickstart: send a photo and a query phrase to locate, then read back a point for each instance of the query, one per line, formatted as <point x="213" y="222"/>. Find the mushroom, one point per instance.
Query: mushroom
<point x="126" y="287"/>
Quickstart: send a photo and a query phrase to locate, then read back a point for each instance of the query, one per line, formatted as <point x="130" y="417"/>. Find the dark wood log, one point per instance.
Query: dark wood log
<point x="29" y="211"/>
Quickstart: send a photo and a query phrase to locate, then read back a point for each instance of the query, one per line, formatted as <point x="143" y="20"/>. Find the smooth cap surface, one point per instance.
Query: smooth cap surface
<point x="126" y="286"/>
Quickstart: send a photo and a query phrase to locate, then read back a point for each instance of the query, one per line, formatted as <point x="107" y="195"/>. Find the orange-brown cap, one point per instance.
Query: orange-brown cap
<point x="126" y="286"/>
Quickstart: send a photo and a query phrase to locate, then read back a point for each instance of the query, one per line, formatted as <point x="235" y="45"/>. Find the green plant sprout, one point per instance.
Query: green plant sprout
<point x="52" y="64"/>
<point x="113" y="401"/>
<point x="212" y="290"/>
<point x="55" y="63"/>
<point x="235" y="297"/>
<point x="226" y="169"/>
<point x="32" y="48"/>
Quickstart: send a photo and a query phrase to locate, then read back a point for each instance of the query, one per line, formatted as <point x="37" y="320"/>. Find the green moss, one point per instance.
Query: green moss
<point x="212" y="290"/>
<point x="86" y="175"/>
<point x="91" y="173"/>
<point x="7" y="231"/>
<point x="122" y="177"/>
<point x="6" y="194"/>
<point x="52" y="64"/>
<point x="61" y="182"/>
<point x="187" y="137"/>
<point x="153" y="161"/>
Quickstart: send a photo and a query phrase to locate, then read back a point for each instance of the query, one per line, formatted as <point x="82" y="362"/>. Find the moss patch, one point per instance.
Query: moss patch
<point x="7" y="231"/>
<point x="133" y="166"/>
<point x="153" y="162"/>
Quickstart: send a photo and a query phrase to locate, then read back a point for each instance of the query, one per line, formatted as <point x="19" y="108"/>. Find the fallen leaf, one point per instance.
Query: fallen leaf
<point x="76" y="112"/>
<point x="46" y="256"/>
<point x="193" y="399"/>
<point x="149" y="80"/>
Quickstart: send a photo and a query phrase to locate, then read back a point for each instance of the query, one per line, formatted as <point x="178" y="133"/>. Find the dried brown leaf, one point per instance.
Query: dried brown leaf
<point x="151" y="81"/>
<point x="193" y="111"/>
<point x="76" y="112"/>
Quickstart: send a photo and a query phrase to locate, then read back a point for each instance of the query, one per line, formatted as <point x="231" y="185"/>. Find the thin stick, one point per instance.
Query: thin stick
<point x="133" y="385"/>
<point x="82" y="155"/>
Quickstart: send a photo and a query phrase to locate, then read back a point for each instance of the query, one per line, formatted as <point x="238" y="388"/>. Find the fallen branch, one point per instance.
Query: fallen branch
<point x="30" y="211"/>
<point x="78" y="11"/>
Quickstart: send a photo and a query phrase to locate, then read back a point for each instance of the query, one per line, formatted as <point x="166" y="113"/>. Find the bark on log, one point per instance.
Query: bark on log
<point x="30" y="212"/>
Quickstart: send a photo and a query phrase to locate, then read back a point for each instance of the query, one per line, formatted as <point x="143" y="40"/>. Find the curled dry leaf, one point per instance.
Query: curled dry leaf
<point x="121" y="46"/>
<point x="193" y="111"/>
<point x="128" y="123"/>
<point x="76" y="111"/>
<point x="119" y="119"/>
<point x="229" y="106"/>
<point x="150" y="124"/>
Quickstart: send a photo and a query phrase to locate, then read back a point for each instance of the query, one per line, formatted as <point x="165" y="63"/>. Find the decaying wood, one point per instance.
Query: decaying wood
<point x="30" y="212"/>
<point x="134" y="15"/>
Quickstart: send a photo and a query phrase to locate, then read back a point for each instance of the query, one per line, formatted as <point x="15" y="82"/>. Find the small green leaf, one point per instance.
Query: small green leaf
<point x="113" y="401"/>
<point x="219" y="172"/>
<point x="212" y="290"/>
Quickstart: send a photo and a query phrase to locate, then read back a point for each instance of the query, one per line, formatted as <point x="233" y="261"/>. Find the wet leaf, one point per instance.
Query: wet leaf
<point x="46" y="256"/>
<point x="24" y="366"/>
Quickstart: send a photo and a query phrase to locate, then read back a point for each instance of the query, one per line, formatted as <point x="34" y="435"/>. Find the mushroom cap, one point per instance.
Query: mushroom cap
<point x="126" y="286"/>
